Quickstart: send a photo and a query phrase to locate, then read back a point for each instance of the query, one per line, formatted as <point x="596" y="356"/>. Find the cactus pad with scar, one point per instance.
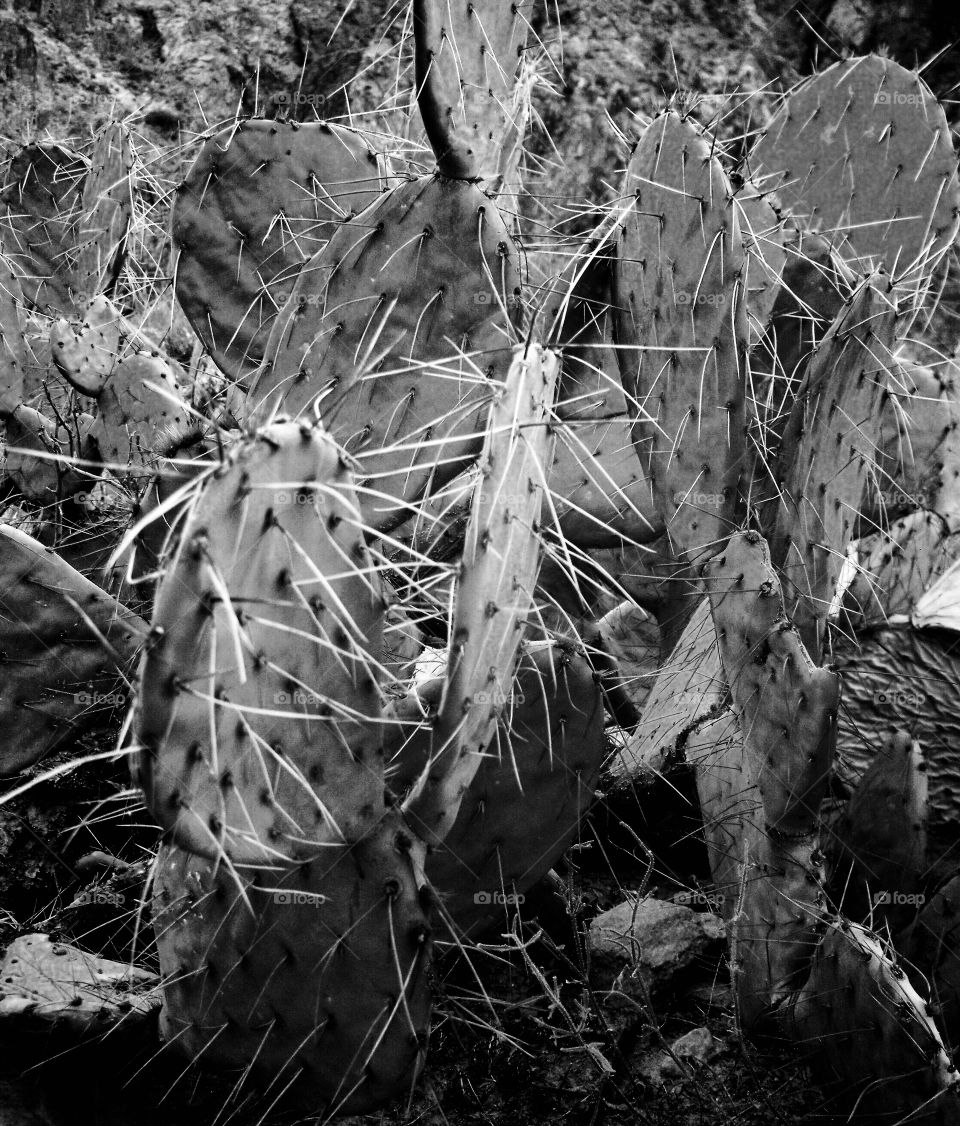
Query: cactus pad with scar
<point x="471" y="50"/>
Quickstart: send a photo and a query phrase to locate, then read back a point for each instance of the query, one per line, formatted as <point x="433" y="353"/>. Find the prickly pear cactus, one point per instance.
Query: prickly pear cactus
<point x="308" y="981"/>
<point x="523" y="807"/>
<point x="896" y="567"/>
<point x="106" y="210"/>
<point x="138" y="409"/>
<point x="872" y="1031"/>
<point x="260" y="689"/>
<point x="37" y="455"/>
<point x="13" y="347"/>
<point x="471" y="52"/>
<point x="261" y="199"/>
<point x="861" y="152"/>
<point x="66" y="643"/>
<point x="87" y="353"/>
<point x="931" y="943"/>
<point x="681" y="329"/>
<point x="821" y="482"/>
<point x="787" y="707"/>
<point x="688" y="687"/>
<point x="495" y="588"/>
<point x="879" y="846"/>
<point x="396" y="331"/>
<point x="599" y="489"/>
<point x="39" y="198"/>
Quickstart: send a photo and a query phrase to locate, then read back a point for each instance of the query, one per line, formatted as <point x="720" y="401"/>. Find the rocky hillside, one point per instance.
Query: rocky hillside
<point x="181" y="63"/>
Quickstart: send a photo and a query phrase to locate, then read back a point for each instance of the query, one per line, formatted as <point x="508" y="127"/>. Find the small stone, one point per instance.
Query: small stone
<point x="642" y="944"/>
<point x="694" y="1047"/>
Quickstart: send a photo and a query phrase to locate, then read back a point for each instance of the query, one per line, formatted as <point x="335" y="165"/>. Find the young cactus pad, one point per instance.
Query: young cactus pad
<point x="494" y="591"/>
<point x="259" y="697"/>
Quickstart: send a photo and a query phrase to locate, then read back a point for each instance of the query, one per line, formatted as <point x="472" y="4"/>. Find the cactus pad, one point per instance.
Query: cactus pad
<point x="880" y="843"/>
<point x="680" y="324"/>
<point x="523" y="808"/>
<point x="494" y="589"/>
<point x="259" y="702"/>
<point x="862" y="153"/>
<point x="87" y="354"/>
<point x="396" y="332"/>
<point x="58" y="677"/>
<point x="821" y="481"/>
<point x="106" y="209"/>
<point x="39" y="198"/>
<point x="467" y="57"/>
<point x="871" y="1032"/>
<point x="688" y="687"/>
<point x="786" y="706"/>
<point x="138" y="409"/>
<point x="54" y="983"/>
<point x="261" y="199"/>
<point x="897" y="566"/>
<point x="311" y="977"/>
<point x="13" y="347"/>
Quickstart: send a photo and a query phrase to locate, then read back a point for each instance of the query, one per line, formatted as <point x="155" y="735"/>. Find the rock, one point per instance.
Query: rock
<point x="642" y="945"/>
<point x="694" y="1047"/>
<point x="56" y="983"/>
